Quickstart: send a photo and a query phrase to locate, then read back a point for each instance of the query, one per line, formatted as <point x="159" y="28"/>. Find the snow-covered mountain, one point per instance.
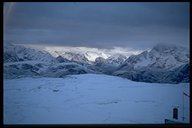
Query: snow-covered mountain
<point x="21" y="61"/>
<point x="60" y="70"/>
<point x="110" y="64"/>
<point x="43" y="69"/>
<point x="162" y="56"/>
<point x="91" y="53"/>
<point x="155" y="65"/>
<point x="15" y="53"/>
<point x="114" y="60"/>
<point x="76" y="57"/>
<point x="61" y="59"/>
<point x="24" y="69"/>
<point x="162" y="64"/>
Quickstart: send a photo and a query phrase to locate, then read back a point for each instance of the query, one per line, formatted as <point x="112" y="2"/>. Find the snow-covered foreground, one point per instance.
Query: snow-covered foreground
<point x="92" y="99"/>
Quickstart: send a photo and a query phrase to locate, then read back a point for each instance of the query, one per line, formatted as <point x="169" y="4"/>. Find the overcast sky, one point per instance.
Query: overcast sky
<point x="101" y="25"/>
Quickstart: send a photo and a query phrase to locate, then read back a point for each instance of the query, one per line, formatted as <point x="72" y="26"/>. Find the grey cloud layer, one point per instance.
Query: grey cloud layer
<point x="99" y="24"/>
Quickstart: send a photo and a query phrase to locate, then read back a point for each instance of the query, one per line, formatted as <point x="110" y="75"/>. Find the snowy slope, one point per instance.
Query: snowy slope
<point x="20" y="69"/>
<point x="19" y="52"/>
<point x="114" y="60"/>
<point x="162" y="64"/>
<point x="61" y="59"/>
<point x="162" y="56"/>
<point x="15" y="53"/>
<point x="76" y="57"/>
<point x="60" y="70"/>
<point x="91" y="99"/>
<point x="23" y="61"/>
<point x="91" y="53"/>
<point x="43" y="69"/>
<point x="109" y="65"/>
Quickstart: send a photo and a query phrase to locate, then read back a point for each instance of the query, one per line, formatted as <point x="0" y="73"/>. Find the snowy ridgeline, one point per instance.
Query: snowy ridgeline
<point x="91" y="99"/>
<point x="162" y="64"/>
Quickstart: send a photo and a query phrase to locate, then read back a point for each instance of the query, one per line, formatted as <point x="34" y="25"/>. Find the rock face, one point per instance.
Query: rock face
<point x="163" y="64"/>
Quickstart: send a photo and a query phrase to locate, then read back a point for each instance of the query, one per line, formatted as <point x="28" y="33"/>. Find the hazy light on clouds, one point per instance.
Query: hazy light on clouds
<point x="103" y="25"/>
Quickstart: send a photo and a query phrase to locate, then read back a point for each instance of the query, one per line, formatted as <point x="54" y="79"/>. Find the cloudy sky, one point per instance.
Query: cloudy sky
<point x="101" y="25"/>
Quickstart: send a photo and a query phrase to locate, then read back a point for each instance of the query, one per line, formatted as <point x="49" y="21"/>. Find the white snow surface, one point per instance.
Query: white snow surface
<point x="91" y="99"/>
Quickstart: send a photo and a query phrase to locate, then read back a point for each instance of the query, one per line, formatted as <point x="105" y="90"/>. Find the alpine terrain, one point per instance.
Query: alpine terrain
<point x="80" y="86"/>
<point x="162" y="64"/>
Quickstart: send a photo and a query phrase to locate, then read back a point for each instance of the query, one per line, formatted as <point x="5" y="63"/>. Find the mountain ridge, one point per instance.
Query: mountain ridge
<point x="156" y="64"/>
<point x="163" y="63"/>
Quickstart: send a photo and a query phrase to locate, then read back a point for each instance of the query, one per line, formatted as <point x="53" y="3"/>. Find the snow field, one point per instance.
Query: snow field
<point x="91" y="99"/>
